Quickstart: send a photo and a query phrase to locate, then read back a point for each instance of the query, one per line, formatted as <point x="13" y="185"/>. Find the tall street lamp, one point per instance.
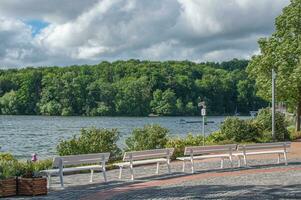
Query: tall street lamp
<point x="273" y="103"/>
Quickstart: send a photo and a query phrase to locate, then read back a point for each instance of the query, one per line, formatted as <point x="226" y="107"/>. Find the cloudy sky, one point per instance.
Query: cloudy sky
<point x="65" y="32"/>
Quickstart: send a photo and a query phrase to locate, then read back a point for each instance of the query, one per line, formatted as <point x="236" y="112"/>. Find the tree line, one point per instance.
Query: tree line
<point x="129" y="88"/>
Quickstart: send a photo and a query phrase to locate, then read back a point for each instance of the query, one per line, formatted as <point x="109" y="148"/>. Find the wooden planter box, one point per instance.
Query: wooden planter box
<point x="32" y="186"/>
<point x="8" y="187"/>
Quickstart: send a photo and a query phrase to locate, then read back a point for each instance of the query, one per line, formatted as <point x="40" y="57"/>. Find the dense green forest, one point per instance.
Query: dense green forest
<point x="129" y="88"/>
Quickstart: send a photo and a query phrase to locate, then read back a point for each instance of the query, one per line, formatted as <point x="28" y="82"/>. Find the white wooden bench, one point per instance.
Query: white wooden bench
<point x="145" y="157"/>
<point x="205" y="152"/>
<point x="278" y="148"/>
<point x="92" y="162"/>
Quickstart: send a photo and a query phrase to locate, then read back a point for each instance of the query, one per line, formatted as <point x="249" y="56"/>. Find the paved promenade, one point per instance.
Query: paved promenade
<point x="263" y="180"/>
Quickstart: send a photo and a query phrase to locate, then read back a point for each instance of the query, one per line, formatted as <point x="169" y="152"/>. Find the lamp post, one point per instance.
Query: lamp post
<point x="203" y="113"/>
<point x="273" y="103"/>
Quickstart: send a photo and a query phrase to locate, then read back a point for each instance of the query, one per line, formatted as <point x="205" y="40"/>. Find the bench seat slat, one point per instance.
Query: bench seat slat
<point x="147" y="154"/>
<point x="73" y="169"/>
<point x="204" y="157"/>
<point x="258" y="152"/>
<point x="81" y="159"/>
<point x="198" y="150"/>
<point x="262" y="146"/>
<point x="142" y="162"/>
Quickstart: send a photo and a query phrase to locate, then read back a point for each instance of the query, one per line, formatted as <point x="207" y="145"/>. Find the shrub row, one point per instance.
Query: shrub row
<point x="233" y="130"/>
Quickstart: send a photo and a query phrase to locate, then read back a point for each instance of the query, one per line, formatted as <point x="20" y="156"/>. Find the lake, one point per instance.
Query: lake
<point x="24" y="135"/>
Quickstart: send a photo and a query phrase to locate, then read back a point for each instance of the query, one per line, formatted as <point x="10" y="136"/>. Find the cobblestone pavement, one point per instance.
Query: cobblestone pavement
<point x="265" y="180"/>
<point x="272" y="185"/>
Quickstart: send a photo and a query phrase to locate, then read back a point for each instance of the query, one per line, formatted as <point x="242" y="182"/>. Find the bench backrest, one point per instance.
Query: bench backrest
<point x="94" y="158"/>
<point x="264" y="146"/>
<point x="148" y="154"/>
<point x="198" y="150"/>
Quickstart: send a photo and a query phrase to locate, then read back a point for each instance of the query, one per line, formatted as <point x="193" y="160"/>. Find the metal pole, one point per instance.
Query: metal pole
<point x="203" y="130"/>
<point x="273" y="103"/>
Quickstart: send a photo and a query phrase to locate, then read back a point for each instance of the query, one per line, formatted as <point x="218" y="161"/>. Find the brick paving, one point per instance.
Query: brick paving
<point x="264" y="180"/>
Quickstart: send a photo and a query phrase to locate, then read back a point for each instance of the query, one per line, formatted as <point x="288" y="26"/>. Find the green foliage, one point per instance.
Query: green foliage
<point x="294" y="135"/>
<point x="131" y="96"/>
<point x="26" y="169"/>
<point x="50" y="108"/>
<point x="8" y="169"/>
<point x="164" y="103"/>
<point x="133" y="88"/>
<point x="8" y="166"/>
<point x="239" y="130"/>
<point x="258" y="129"/>
<point x="148" y="137"/>
<point x="180" y="143"/>
<point x="217" y="137"/>
<point x="7" y="157"/>
<point x="264" y="122"/>
<point x="91" y="140"/>
<point x="8" y="103"/>
<point x="281" y="52"/>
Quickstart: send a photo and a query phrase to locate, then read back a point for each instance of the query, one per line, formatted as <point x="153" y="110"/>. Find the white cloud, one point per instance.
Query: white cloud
<point x="94" y="30"/>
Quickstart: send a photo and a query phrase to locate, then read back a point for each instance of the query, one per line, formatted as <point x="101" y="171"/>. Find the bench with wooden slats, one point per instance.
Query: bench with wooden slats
<point x="130" y="159"/>
<point x="205" y="152"/>
<point x="73" y="163"/>
<point x="279" y="148"/>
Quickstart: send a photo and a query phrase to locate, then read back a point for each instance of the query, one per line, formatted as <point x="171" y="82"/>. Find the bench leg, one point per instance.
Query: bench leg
<point x="183" y="166"/>
<point x="158" y="165"/>
<point x="120" y="172"/>
<point x="285" y="158"/>
<point x="48" y="181"/>
<point x="239" y="161"/>
<point x="168" y="166"/>
<point x="245" y="160"/>
<point x="91" y="176"/>
<point x="132" y="172"/>
<point x="222" y="163"/>
<point x="231" y="161"/>
<point x="278" y="158"/>
<point x="192" y="166"/>
<point x="62" y="180"/>
<point x="104" y="173"/>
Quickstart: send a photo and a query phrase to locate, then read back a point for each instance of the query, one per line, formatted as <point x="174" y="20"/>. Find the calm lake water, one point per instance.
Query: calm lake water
<point x="24" y="135"/>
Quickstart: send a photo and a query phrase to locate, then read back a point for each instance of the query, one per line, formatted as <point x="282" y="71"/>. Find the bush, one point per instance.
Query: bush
<point x="180" y="143"/>
<point x="8" y="169"/>
<point x="264" y="122"/>
<point x="91" y="140"/>
<point x="148" y="137"/>
<point x="294" y="135"/>
<point x="7" y="157"/>
<point x="239" y="130"/>
<point x="217" y="138"/>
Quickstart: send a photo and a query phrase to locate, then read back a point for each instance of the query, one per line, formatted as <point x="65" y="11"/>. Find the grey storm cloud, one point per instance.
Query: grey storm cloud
<point x="94" y="30"/>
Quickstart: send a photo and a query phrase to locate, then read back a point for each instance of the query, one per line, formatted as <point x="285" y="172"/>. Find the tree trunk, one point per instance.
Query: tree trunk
<point x="298" y="114"/>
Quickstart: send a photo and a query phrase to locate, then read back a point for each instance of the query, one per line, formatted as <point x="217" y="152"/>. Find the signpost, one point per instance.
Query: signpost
<point x="203" y="113"/>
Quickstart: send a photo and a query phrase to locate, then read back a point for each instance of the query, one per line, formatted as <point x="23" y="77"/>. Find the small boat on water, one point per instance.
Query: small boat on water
<point x="183" y="121"/>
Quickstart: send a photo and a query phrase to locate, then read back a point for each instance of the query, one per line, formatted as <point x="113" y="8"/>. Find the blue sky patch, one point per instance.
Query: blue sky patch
<point x="37" y="25"/>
